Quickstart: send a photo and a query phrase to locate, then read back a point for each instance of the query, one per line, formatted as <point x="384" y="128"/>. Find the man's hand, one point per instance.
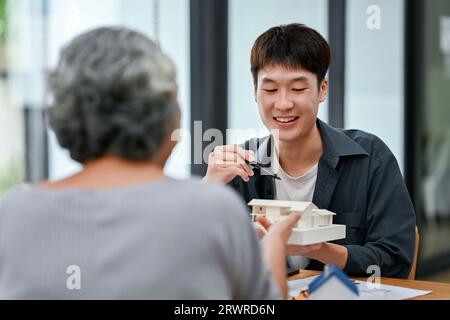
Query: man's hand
<point x="227" y="162"/>
<point x="306" y="251"/>
<point x="292" y="250"/>
<point x="327" y="253"/>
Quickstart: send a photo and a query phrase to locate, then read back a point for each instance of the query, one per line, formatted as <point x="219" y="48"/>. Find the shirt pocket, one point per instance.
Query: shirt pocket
<point x="355" y="223"/>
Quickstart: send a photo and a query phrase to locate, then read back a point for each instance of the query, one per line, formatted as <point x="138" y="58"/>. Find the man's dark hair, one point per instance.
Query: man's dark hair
<point x="293" y="46"/>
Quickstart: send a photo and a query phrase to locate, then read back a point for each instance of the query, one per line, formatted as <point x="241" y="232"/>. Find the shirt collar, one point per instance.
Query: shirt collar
<point x="337" y="144"/>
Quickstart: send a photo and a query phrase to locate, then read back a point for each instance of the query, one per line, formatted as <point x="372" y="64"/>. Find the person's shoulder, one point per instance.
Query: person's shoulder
<point x="16" y="193"/>
<point x="16" y="196"/>
<point x="211" y="195"/>
<point x="370" y="142"/>
<point x="211" y="190"/>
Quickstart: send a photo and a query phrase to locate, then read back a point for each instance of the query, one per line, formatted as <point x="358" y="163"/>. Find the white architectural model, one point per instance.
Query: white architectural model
<point x="315" y="226"/>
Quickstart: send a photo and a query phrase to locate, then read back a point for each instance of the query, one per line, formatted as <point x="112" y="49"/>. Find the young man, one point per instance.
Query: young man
<point x="349" y="172"/>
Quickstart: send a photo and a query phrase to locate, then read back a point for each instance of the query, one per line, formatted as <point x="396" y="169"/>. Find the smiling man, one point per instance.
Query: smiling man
<point x="350" y="172"/>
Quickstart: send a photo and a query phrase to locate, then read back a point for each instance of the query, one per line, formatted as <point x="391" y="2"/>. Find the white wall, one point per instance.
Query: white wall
<point x="374" y="73"/>
<point x="68" y="18"/>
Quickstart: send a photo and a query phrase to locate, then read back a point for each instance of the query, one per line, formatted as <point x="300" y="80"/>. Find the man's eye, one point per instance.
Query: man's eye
<point x="299" y="90"/>
<point x="270" y="90"/>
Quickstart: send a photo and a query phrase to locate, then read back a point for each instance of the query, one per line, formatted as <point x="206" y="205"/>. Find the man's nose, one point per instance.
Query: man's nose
<point x="284" y="102"/>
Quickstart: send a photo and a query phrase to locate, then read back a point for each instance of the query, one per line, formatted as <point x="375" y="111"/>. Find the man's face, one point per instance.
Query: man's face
<point x="288" y="100"/>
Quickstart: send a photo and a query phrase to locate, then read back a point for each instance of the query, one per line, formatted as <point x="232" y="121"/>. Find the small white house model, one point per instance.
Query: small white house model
<point x="315" y="225"/>
<point x="332" y="284"/>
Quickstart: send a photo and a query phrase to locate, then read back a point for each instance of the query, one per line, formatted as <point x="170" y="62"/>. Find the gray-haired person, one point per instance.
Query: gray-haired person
<point x="120" y="229"/>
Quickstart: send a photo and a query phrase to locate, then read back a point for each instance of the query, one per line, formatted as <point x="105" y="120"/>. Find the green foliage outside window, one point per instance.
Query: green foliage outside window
<point x="10" y="175"/>
<point x="2" y="19"/>
<point x="12" y="170"/>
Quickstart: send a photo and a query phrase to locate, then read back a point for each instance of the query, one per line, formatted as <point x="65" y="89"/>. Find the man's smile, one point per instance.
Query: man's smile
<point x="285" y="122"/>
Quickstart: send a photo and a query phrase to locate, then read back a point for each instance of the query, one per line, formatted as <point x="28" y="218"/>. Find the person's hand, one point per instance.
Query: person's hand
<point x="274" y="246"/>
<point x="260" y="230"/>
<point x="291" y="250"/>
<point x="326" y="252"/>
<point x="281" y="229"/>
<point x="227" y="162"/>
<point x="306" y="251"/>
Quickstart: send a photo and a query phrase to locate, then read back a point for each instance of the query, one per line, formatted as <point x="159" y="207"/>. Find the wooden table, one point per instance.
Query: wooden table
<point x="440" y="291"/>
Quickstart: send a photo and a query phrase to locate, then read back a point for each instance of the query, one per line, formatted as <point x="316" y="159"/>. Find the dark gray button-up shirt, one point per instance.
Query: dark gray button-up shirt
<point x="359" y="179"/>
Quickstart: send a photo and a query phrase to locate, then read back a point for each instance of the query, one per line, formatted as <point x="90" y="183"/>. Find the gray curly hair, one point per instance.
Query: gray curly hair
<point x="113" y="93"/>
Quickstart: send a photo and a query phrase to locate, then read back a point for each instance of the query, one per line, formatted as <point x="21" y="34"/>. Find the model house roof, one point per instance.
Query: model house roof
<point x="331" y="271"/>
<point x="302" y="206"/>
<point x="323" y="212"/>
<point x="293" y="205"/>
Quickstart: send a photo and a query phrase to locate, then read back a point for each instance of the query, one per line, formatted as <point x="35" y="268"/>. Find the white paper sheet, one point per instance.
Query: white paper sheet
<point x="384" y="292"/>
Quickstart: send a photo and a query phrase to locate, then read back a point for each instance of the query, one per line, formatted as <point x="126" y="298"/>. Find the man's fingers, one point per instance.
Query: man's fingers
<point x="245" y="154"/>
<point x="227" y="162"/>
<point x="229" y="158"/>
<point x="247" y="169"/>
<point x="237" y="171"/>
<point x="217" y="157"/>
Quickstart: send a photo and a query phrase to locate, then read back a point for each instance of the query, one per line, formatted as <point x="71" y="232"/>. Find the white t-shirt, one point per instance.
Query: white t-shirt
<point x="294" y="189"/>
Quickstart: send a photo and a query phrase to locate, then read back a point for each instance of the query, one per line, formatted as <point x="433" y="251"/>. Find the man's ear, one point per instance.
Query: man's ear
<point x="323" y="90"/>
<point x="255" y="89"/>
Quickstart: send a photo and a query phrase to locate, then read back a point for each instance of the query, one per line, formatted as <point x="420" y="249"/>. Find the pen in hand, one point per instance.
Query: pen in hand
<point x="258" y="166"/>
